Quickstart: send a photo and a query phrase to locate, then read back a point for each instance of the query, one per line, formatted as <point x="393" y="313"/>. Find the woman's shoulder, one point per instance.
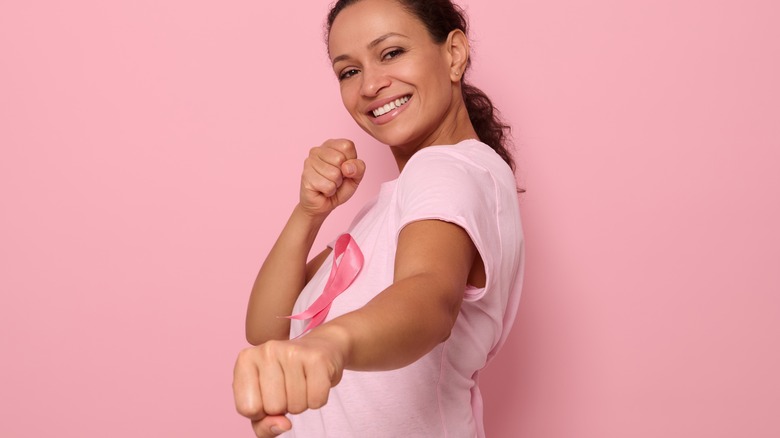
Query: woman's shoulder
<point x="469" y="158"/>
<point x="471" y="150"/>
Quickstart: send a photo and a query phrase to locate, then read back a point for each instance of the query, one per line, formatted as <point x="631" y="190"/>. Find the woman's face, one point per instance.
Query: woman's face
<point x="395" y="80"/>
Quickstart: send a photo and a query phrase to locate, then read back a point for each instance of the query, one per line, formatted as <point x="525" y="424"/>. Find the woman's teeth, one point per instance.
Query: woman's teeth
<point x="390" y="106"/>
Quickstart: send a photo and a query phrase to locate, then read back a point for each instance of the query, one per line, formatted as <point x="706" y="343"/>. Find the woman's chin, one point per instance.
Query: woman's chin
<point x="391" y="136"/>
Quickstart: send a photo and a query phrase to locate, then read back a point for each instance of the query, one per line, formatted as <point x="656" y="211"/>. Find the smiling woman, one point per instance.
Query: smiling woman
<point x="393" y="323"/>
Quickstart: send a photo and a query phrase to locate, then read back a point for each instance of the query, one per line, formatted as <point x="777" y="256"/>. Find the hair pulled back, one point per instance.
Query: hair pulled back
<point x="441" y="17"/>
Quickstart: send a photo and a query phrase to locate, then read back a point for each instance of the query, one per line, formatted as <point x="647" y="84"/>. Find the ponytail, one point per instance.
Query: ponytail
<point x="487" y="121"/>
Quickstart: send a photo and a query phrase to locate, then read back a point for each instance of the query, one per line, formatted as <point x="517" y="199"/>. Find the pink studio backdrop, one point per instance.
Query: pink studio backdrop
<point x="150" y="152"/>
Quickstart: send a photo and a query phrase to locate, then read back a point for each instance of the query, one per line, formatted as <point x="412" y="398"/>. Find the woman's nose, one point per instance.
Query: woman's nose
<point x="374" y="80"/>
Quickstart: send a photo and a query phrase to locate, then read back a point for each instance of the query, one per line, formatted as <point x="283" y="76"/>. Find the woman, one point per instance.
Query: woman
<point x="433" y="265"/>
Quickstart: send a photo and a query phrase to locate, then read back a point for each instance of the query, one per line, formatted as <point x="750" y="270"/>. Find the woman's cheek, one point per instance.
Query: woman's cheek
<point x="348" y="96"/>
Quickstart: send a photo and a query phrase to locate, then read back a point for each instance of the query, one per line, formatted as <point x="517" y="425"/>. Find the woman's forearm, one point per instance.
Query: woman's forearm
<point x="397" y="327"/>
<point x="281" y="279"/>
<point x="415" y="313"/>
<point x="331" y="174"/>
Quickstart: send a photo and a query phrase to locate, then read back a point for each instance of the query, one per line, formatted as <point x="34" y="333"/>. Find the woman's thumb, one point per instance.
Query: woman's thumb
<point x="354" y="170"/>
<point x="271" y="426"/>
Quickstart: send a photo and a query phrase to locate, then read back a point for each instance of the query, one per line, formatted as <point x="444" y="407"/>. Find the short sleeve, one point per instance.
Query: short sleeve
<point x="444" y="185"/>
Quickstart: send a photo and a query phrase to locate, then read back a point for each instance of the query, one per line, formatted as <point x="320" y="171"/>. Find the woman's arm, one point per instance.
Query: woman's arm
<point x="397" y="327"/>
<point x="281" y="278"/>
<point x="418" y="311"/>
<point x="330" y="176"/>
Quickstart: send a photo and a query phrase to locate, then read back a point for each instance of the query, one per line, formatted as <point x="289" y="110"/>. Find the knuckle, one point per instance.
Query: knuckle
<point x="268" y="347"/>
<point x="308" y="172"/>
<point x="296" y="407"/>
<point x="247" y="409"/>
<point x="319" y="187"/>
<point x="319" y="400"/>
<point x="296" y="410"/>
<point x="245" y="355"/>
<point x="330" y="187"/>
<point x="333" y="174"/>
<point x="265" y="352"/>
<point x="332" y="156"/>
<point x="292" y="353"/>
<point x="315" y="154"/>
<point x="344" y="143"/>
<point x="275" y="408"/>
<point x="315" y="358"/>
<point x="340" y="144"/>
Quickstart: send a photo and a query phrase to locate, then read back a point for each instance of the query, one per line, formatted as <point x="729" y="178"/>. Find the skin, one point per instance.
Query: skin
<point x="405" y="62"/>
<point x="379" y="51"/>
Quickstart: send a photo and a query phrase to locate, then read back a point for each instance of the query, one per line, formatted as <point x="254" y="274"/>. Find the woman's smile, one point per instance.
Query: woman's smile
<point x="384" y="112"/>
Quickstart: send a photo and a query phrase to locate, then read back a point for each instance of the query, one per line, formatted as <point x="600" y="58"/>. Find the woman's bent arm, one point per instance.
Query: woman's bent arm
<point x="281" y="279"/>
<point x="331" y="174"/>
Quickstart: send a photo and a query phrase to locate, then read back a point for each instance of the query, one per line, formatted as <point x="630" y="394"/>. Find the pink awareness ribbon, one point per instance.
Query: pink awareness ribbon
<point x="347" y="262"/>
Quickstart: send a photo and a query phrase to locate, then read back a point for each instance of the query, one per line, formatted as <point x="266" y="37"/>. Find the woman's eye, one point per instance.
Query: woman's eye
<point x="393" y="53"/>
<point x="348" y="74"/>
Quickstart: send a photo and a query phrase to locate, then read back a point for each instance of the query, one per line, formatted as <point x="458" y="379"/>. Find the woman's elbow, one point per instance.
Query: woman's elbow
<point x="254" y="339"/>
<point x="256" y="336"/>
<point x="449" y="316"/>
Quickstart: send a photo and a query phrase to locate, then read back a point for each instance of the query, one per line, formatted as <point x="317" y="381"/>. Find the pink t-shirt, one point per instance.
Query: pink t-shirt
<point x="437" y="396"/>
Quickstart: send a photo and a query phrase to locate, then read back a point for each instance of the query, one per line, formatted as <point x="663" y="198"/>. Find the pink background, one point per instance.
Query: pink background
<point x="151" y="152"/>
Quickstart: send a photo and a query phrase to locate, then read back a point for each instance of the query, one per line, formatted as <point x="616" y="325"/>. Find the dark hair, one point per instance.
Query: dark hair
<point x="441" y="17"/>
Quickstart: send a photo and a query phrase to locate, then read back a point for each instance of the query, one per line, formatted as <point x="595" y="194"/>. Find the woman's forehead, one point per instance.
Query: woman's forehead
<point x="361" y="23"/>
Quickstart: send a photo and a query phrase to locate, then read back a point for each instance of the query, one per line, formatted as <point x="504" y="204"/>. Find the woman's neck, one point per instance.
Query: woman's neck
<point x="455" y="128"/>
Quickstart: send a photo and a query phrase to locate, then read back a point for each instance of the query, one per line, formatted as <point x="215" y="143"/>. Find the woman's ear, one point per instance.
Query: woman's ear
<point x="458" y="49"/>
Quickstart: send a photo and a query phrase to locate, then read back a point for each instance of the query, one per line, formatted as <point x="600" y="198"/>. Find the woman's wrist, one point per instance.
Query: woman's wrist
<point x="306" y="223"/>
<point x="314" y="218"/>
<point x="337" y="338"/>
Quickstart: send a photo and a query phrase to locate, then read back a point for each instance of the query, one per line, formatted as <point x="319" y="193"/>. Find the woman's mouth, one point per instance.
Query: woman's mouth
<point x="382" y="110"/>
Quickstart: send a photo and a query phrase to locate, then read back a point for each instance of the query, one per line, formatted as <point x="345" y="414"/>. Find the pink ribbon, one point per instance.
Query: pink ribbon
<point x="347" y="262"/>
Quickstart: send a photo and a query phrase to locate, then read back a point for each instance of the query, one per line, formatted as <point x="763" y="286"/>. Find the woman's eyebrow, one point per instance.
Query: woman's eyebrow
<point x="371" y="45"/>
